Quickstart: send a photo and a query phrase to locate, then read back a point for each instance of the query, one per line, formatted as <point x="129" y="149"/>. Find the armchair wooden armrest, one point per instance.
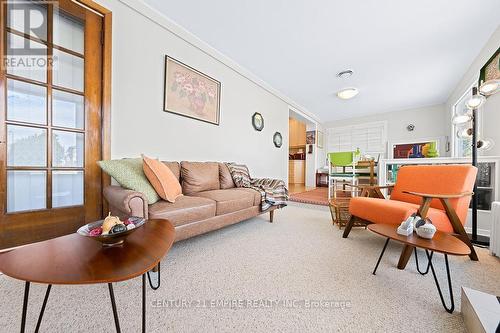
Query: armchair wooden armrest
<point x="439" y="196"/>
<point x="372" y="191"/>
<point x="366" y="186"/>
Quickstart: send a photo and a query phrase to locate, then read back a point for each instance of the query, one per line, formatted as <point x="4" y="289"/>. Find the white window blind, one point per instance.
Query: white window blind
<point x="370" y="138"/>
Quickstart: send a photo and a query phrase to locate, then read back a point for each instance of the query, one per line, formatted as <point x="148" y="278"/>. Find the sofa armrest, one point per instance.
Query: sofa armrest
<point x="124" y="203"/>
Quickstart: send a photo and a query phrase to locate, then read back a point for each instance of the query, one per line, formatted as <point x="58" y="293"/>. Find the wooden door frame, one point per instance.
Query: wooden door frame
<point x="106" y="86"/>
<point x="106" y="89"/>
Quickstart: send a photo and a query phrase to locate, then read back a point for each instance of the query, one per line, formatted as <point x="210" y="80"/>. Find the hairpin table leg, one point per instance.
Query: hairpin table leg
<point x="452" y="306"/>
<point x="428" y="263"/>
<point x="42" y="311"/>
<point x="113" y="305"/>
<point x="25" y="305"/>
<point x="381" y="255"/>
<point x="158" y="278"/>
<point x="143" y="303"/>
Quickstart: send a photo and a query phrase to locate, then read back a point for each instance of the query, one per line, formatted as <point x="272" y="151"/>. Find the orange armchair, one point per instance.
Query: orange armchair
<point x="439" y="192"/>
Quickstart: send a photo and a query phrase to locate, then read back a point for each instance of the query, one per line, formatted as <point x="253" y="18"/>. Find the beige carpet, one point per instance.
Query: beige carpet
<point x="300" y="257"/>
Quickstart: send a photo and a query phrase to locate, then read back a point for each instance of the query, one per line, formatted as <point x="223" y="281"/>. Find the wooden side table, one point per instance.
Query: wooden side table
<point x="74" y="259"/>
<point x="319" y="176"/>
<point x="442" y="242"/>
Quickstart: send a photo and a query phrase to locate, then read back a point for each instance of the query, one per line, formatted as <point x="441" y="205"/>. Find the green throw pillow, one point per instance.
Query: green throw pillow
<point x="129" y="174"/>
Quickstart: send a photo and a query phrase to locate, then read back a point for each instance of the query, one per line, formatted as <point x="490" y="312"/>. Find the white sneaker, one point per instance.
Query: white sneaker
<point x="406" y="227"/>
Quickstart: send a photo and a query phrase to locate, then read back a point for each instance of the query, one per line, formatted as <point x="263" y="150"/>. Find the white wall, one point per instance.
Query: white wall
<point x="429" y="123"/>
<point x="491" y="111"/>
<point x="139" y="124"/>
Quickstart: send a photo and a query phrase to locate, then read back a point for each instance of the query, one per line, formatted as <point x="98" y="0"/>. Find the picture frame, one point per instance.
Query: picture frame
<point x="190" y="93"/>
<point x="311" y="137"/>
<point x="257" y="121"/>
<point x="403" y="149"/>
<point x="319" y="139"/>
<point x="491" y="69"/>
<point x="277" y="140"/>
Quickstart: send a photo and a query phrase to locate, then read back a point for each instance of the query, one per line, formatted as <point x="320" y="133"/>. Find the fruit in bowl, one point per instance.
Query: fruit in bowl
<point x="111" y="231"/>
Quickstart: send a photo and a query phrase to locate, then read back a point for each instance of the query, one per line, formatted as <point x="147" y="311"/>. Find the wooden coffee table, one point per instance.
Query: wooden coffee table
<point x="442" y="242"/>
<point x="75" y="259"/>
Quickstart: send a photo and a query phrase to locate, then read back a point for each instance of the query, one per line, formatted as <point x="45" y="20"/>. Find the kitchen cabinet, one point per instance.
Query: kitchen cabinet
<point x="297" y="133"/>
<point x="296" y="171"/>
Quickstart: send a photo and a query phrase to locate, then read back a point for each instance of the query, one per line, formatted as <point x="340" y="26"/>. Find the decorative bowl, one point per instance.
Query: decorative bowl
<point x="111" y="239"/>
<point x="426" y="231"/>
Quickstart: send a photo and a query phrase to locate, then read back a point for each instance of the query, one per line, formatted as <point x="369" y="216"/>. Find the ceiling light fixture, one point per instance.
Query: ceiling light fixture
<point x="462" y="119"/>
<point x="475" y="102"/>
<point x="345" y="74"/>
<point x="347" y="93"/>
<point x="490" y="87"/>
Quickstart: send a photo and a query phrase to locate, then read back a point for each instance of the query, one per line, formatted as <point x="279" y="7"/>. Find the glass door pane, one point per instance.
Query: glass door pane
<point x="26" y="102"/>
<point x="68" y="32"/>
<point x="30" y="67"/>
<point x="26" y="146"/>
<point x="67" y="149"/>
<point x="67" y="188"/>
<point x="37" y="13"/>
<point x="26" y="190"/>
<point x="67" y="110"/>
<point x="67" y="71"/>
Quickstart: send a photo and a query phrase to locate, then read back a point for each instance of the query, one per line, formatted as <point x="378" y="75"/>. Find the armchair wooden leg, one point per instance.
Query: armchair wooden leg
<point x="271" y="216"/>
<point x="459" y="228"/>
<point x="405" y="256"/>
<point x="348" y="227"/>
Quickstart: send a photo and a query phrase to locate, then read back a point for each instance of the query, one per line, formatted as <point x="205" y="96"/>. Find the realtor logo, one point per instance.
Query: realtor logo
<point x="26" y="44"/>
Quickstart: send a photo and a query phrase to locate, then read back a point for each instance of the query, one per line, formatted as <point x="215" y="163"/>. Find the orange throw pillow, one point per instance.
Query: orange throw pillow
<point x="162" y="179"/>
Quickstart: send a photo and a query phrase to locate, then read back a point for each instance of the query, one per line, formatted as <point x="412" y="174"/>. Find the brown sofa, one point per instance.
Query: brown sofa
<point x="210" y="201"/>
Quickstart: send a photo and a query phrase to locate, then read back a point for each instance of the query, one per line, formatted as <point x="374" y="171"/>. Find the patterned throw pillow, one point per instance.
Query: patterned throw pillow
<point x="240" y="174"/>
<point x="129" y="174"/>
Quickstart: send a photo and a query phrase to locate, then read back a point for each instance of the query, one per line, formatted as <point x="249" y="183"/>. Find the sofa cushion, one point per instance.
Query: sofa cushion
<point x="394" y="212"/>
<point x="162" y="178"/>
<point x="175" y="167"/>
<point x="230" y="200"/>
<point x="256" y="194"/>
<point x="129" y="174"/>
<point x="225" y="178"/>
<point x="199" y="176"/>
<point x="184" y="210"/>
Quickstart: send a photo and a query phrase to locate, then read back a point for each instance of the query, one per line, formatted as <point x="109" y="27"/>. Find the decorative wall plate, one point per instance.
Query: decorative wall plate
<point x="257" y="121"/>
<point x="277" y="139"/>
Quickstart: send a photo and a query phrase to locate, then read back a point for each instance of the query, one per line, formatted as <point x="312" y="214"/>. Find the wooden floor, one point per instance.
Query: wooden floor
<point x="297" y="188"/>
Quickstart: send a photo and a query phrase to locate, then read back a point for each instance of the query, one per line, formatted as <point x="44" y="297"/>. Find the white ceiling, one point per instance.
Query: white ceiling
<point x="404" y="54"/>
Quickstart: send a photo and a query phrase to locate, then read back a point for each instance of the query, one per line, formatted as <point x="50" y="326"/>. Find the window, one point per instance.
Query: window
<point x="370" y="138"/>
<point x="462" y="144"/>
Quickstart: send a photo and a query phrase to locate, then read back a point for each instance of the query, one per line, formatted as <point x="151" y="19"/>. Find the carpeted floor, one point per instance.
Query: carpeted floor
<point x="270" y="273"/>
<point x="318" y="196"/>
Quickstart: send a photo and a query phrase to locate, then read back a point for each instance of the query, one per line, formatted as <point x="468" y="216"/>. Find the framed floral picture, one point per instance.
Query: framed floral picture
<point x="190" y="93"/>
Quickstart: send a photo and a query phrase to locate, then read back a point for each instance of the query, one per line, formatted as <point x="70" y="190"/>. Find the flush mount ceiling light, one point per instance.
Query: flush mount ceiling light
<point x="347" y="93"/>
<point x="345" y="74"/>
